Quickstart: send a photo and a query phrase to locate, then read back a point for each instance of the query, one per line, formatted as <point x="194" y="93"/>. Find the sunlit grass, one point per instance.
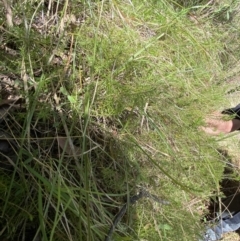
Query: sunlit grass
<point x="127" y="84"/>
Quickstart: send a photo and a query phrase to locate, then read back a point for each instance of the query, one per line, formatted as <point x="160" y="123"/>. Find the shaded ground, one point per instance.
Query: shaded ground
<point x="231" y="183"/>
<point x="227" y="195"/>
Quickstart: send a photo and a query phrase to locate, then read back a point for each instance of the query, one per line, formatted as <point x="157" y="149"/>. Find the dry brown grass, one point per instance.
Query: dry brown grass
<point x="231" y="237"/>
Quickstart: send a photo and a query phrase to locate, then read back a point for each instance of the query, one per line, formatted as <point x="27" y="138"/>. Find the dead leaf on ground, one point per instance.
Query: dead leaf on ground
<point x="67" y="145"/>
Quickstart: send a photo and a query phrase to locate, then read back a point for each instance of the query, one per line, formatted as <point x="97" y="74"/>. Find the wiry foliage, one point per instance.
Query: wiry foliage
<point x="99" y="98"/>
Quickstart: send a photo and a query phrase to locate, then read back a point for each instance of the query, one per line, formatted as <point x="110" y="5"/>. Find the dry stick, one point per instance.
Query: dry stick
<point x="49" y="8"/>
<point x="9" y="15"/>
<point x="143" y="117"/>
<point x="24" y="77"/>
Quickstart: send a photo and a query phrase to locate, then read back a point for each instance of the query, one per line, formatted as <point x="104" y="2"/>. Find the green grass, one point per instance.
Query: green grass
<point x="128" y="84"/>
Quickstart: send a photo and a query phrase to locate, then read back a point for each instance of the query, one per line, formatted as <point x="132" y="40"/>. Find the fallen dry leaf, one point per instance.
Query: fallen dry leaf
<point x="67" y="145"/>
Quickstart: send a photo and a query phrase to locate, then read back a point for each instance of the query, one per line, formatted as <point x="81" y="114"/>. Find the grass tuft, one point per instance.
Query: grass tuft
<point x="102" y="98"/>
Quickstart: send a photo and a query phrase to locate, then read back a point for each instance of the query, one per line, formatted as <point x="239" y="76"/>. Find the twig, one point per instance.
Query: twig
<point x="143" y="117"/>
<point x="24" y="77"/>
<point x="9" y="15"/>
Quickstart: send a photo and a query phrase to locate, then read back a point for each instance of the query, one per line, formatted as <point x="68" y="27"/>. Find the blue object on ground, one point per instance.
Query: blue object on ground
<point x="227" y="224"/>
